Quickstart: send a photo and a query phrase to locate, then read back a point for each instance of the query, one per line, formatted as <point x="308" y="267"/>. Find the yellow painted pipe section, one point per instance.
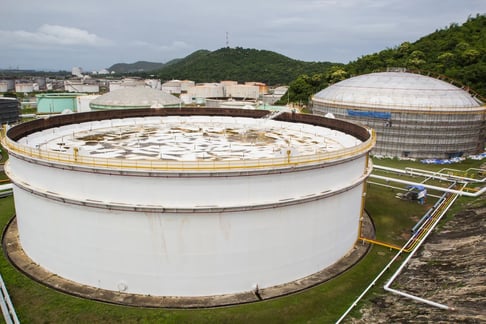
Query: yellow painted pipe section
<point x="423" y="230"/>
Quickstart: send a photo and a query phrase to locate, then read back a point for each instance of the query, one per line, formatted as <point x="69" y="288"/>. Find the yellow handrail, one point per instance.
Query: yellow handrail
<point x="165" y="165"/>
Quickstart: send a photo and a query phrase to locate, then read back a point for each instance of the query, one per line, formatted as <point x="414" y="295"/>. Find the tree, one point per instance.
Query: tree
<point x="416" y="59"/>
<point x="337" y="74"/>
<point x="470" y="56"/>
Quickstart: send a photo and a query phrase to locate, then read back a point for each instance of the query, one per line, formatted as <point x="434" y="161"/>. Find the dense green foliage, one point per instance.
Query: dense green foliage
<point x="456" y="53"/>
<point x="306" y="85"/>
<point x="140" y="66"/>
<point x="240" y="64"/>
<point x="10" y="73"/>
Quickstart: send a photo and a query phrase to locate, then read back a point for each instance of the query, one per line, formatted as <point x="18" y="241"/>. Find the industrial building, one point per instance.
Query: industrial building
<point x="187" y="202"/>
<point x="9" y="110"/>
<point x="414" y="116"/>
<point x="134" y="98"/>
<point x="52" y="103"/>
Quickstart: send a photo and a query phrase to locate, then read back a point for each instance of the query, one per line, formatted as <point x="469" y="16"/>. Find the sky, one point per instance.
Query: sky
<point x="95" y="34"/>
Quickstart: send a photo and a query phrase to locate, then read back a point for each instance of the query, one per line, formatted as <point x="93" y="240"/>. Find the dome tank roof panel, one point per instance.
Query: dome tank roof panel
<point x="136" y="97"/>
<point x="397" y="90"/>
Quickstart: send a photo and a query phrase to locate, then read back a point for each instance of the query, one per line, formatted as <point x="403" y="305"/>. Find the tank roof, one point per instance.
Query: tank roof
<point x="191" y="138"/>
<point x="59" y="95"/>
<point x="137" y="97"/>
<point x="397" y="90"/>
<point x="8" y="99"/>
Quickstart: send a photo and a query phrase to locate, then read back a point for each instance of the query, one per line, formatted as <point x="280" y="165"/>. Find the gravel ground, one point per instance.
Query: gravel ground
<point x="450" y="269"/>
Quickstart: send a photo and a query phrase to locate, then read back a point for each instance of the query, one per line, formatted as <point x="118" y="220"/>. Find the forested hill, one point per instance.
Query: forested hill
<point x="140" y="66"/>
<point x="457" y="52"/>
<point x="240" y="64"/>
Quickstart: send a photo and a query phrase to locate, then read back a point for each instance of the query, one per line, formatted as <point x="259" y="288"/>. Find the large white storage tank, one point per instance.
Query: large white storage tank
<point x="414" y="116"/>
<point x="187" y="202"/>
<point x="3" y="86"/>
<point x="135" y="97"/>
<point x="7" y="85"/>
<point x="206" y="90"/>
<point x="24" y="87"/>
<point x="172" y="86"/>
<point x="242" y="91"/>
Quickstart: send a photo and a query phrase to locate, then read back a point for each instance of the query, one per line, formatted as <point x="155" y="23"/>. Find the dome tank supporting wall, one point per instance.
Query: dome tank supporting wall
<point x="187" y="202"/>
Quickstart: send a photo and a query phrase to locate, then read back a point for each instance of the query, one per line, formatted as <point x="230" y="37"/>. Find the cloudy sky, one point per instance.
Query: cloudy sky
<point x="95" y="34"/>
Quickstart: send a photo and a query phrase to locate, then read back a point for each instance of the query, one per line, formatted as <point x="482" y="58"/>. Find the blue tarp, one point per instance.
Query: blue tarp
<point x="419" y="188"/>
<point x="478" y="157"/>
<point x="442" y="161"/>
<point x="369" y="114"/>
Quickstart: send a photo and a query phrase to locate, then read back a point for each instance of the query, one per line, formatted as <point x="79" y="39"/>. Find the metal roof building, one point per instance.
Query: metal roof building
<point x="9" y="110"/>
<point x="413" y="115"/>
<point x="49" y="103"/>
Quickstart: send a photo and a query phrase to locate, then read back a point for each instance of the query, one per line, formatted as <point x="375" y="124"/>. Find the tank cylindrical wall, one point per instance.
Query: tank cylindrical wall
<point x="419" y="134"/>
<point x="24" y="87"/>
<point x="187" y="254"/>
<point x="242" y="91"/>
<point x="173" y="191"/>
<point x="3" y="86"/>
<point x="207" y="91"/>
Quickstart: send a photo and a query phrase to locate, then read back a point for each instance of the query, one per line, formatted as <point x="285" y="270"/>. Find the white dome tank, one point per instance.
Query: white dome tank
<point x="413" y="115"/>
<point x="190" y="202"/>
<point x="134" y="98"/>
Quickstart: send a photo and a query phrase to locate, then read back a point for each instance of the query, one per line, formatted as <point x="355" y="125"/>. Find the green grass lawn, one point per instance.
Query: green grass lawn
<point x="325" y="303"/>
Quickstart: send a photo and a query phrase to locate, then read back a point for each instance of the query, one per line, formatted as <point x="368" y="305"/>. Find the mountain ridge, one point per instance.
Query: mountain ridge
<point x="239" y="64"/>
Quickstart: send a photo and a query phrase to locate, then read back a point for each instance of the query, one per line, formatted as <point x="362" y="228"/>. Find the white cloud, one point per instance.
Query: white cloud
<point x="290" y="22"/>
<point x="174" y="46"/>
<point x="317" y="30"/>
<point x="52" y="35"/>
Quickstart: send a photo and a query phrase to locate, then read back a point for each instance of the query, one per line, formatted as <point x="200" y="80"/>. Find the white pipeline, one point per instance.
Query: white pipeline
<point x="7" y="186"/>
<point x="372" y="284"/>
<point x="410" y="240"/>
<point x="452" y="191"/>
<point x="393" y="277"/>
<point x="427" y="173"/>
